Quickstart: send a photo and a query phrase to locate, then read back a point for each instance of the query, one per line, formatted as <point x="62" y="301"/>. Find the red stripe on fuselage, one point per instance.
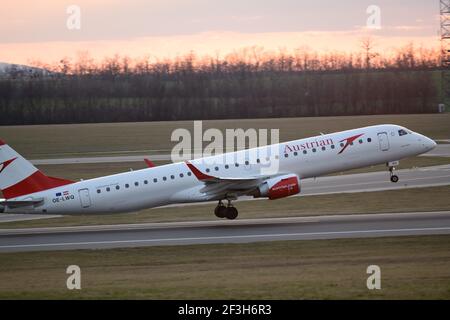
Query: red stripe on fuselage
<point x="34" y="183"/>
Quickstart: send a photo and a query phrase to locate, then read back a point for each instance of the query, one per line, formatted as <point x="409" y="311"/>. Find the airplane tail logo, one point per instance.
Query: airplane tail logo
<point x="6" y="163"/>
<point x="349" y="141"/>
<point x="19" y="177"/>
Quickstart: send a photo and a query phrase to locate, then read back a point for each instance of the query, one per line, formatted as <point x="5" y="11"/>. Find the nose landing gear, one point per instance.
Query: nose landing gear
<point x="391" y="165"/>
<point x="222" y="211"/>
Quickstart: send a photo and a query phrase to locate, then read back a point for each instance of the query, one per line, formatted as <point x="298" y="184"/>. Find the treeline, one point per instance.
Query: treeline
<point x="248" y="84"/>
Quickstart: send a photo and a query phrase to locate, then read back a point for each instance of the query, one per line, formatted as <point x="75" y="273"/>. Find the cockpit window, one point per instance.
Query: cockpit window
<point x="402" y="132"/>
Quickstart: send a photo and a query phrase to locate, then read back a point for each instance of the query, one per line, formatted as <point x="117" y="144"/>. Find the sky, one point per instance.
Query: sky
<point x="37" y="30"/>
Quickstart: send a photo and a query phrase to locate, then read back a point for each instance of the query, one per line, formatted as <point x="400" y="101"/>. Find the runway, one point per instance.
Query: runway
<point x="225" y="231"/>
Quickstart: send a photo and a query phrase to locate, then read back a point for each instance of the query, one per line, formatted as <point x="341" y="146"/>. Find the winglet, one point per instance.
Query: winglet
<point x="149" y="163"/>
<point x="200" y="175"/>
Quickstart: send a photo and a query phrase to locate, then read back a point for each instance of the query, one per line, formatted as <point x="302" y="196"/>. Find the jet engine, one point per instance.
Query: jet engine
<point x="279" y="187"/>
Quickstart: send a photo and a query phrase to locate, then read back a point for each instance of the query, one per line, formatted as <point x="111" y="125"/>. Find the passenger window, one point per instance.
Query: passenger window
<point x="369" y="139"/>
<point x="323" y="148"/>
<point x="305" y="152"/>
<point x="155" y="180"/>
<point x="189" y="173"/>
<point x="172" y="177"/>
<point x="216" y="168"/>
<point x="127" y="185"/>
<point x="181" y="175"/>
<point x="227" y="166"/>
<point x="145" y="182"/>
<point x="108" y="189"/>
<point x="360" y="141"/>
<point x="332" y="146"/>
<point x="286" y="155"/>
<point x="314" y="150"/>
<point x="295" y="153"/>
<point x="98" y="191"/>
<point x="136" y="183"/>
<point x="164" y="178"/>
<point x="117" y="187"/>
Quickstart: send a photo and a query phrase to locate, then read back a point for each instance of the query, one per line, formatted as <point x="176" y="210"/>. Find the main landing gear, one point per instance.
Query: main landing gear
<point x="391" y="165"/>
<point x="222" y="211"/>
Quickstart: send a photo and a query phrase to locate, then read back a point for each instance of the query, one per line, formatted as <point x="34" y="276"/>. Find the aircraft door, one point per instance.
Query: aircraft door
<point x="383" y="141"/>
<point x="85" y="199"/>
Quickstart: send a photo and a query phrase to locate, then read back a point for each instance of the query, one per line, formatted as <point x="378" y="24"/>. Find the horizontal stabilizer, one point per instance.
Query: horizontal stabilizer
<point x="19" y="203"/>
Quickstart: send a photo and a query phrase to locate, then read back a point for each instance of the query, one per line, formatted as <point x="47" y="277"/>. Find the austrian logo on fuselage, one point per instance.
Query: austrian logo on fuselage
<point x="344" y="143"/>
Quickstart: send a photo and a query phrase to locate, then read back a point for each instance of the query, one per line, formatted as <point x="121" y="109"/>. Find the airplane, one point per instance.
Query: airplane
<point x="27" y="190"/>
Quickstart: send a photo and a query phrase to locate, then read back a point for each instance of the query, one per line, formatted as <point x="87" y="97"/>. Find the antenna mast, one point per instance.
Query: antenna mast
<point x="445" y="50"/>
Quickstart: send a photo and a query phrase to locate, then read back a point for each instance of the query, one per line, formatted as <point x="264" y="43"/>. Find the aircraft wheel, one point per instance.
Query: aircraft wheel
<point x="232" y="213"/>
<point x="220" y="211"/>
<point x="394" y="178"/>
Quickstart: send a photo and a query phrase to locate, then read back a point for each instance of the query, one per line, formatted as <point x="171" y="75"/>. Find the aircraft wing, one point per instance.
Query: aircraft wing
<point x="220" y="185"/>
<point x="213" y="179"/>
<point x="19" y="203"/>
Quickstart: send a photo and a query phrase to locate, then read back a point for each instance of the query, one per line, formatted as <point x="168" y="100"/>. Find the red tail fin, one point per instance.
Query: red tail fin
<point x="19" y="177"/>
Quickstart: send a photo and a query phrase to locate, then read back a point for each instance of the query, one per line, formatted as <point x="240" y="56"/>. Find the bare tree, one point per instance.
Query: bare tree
<point x="367" y="45"/>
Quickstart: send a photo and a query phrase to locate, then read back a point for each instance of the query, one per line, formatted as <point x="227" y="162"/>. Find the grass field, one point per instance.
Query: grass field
<point x="411" y="268"/>
<point x="416" y="199"/>
<point x="56" y="141"/>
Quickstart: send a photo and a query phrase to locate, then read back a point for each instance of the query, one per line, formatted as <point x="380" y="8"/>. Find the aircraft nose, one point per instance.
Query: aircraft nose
<point x="430" y="144"/>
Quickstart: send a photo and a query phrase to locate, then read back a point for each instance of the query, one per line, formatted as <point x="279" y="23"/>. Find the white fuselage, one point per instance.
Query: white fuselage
<point x="175" y="183"/>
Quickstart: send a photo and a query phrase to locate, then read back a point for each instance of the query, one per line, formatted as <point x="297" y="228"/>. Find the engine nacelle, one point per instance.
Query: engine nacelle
<point x="279" y="187"/>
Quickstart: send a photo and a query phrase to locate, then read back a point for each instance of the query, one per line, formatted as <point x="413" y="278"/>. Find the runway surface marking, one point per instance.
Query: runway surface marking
<point x="330" y="227"/>
<point x="231" y="237"/>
